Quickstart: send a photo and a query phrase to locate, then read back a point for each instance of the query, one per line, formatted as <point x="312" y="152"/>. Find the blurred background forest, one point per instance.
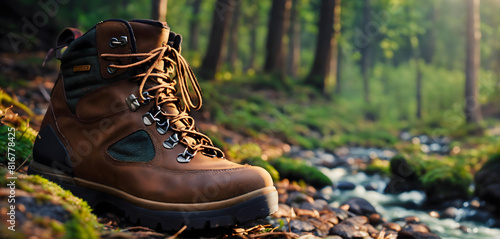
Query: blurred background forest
<point x="386" y="60"/>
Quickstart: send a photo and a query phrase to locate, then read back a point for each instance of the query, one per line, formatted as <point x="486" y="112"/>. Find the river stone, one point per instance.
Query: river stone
<point x="392" y="226"/>
<point x="299" y="226"/>
<point x="283" y="211"/>
<point x="344" y="185"/>
<point x="358" y="220"/>
<point x="348" y="231"/>
<point x="360" y="206"/>
<point x="412" y="219"/>
<point x="298" y="197"/>
<point x="341" y="214"/>
<point x="375" y="219"/>
<point x="371" y="187"/>
<point x="450" y="212"/>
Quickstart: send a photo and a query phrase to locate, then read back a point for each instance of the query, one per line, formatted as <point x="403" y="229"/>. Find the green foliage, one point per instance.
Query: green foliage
<point x="237" y="152"/>
<point x="258" y="161"/>
<point x="297" y="169"/>
<point x="379" y="166"/>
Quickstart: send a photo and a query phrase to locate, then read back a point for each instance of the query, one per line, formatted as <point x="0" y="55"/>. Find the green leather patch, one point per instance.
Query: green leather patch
<point x="136" y="147"/>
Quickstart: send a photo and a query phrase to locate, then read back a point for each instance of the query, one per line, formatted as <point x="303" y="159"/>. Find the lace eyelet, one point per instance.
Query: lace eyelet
<point x="111" y="70"/>
<point x="114" y="42"/>
<point x="186" y="156"/>
<point x="162" y="127"/>
<point x="171" y="142"/>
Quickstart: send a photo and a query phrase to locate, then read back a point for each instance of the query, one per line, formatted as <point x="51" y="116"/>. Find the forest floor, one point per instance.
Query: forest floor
<point x="264" y="126"/>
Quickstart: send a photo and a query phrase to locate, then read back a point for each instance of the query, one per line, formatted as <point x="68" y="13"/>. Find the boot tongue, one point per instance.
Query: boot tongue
<point x="149" y="35"/>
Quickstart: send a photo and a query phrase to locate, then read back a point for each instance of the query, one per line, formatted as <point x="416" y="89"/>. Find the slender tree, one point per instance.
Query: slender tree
<point x="366" y="53"/>
<point x="278" y="23"/>
<point x="232" y="52"/>
<point x="220" y="23"/>
<point x="293" y="59"/>
<point x="472" y="62"/>
<point x="322" y="60"/>
<point x="194" y="26"/>
<point x="254" y="23"/>
<point x="159" y="10"/>
<point x="334" y="61"/>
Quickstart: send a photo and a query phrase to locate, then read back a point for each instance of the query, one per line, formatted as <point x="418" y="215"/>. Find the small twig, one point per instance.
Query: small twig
<point x="287" y="234"/>
<point x="178" y="233"/>
<point x="23" y="162"/>
<point x="44" y="92"/>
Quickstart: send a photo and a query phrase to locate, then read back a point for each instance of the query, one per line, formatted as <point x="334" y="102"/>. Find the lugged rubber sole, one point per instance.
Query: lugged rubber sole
<point x="170" y="220"/>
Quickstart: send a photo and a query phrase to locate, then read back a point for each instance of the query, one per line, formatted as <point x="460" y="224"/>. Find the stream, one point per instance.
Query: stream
<point x="463" y="220"/>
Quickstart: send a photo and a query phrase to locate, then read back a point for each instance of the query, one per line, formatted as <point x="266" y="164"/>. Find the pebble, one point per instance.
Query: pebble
<point x="375" y="219"/>
<point x="450" y="212"/>
<point x="360" y="206"/>
<point x="283" y="211"/>
<point x="412" y="219"/>
<point x="346" y="230"/>
<point x="392" y="226"/>
<point x="434" y="214"/>
<point x="299" y="226"/>
<point x="298" y="197"/>
<point x="344" y="185"/>
<point x="371" y="187"/>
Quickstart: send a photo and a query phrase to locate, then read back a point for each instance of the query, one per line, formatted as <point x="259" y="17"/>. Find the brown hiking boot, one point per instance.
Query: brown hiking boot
<point x="118" y="131"/>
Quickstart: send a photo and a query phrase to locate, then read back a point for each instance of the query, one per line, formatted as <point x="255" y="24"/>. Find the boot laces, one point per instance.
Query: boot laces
<point x="164" y="82"/>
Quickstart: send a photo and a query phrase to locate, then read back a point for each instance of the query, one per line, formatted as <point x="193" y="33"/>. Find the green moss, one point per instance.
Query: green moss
<point x="379" y="166"/>
<point x="82" y="224"/>
<point x="257" y="161"/>
<point x="297" y="169"/>
<point x="237" y="152"/>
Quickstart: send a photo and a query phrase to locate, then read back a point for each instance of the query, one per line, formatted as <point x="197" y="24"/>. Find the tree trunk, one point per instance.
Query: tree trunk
<point x="159" y="10"/>
<point x="429" y="39"/>
<point x="294" y="41"/>
<point x="366" y="54"/>
<point x="321" y="66"/>
<point x="472" y="63"/>
<point x="194" y="26"/>
<point x="254" y="22"/>
<point x="220" y="23"/>
<point x="334" y="77"/>
<point x="232" y="53"/>
<point x="419" y="84"/>
<point x="278" y="23"/>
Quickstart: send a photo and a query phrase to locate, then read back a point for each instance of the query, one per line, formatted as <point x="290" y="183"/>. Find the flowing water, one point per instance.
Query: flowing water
<point x="395" y="206"/>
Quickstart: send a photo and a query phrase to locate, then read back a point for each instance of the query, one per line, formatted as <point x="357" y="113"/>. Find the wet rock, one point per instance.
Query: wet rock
<point x="411" y="219"/>
<point x="375" y="219"/>
<point x="283" y="211"/>
<point x="360" y="206"/>
<point x="322" y="228"/>
<point x="450" y="212"/>
<point x="434" y="214"/>
<point x="371" y="230"/>
<point x="318" y="205"/>
<point x="371" y="187"/>
<point x="344" y="185"/>
<point x="307" y="213"/>
<point x="464" y="229"/>
<point x="415" y="228"/>
<point x="308" y="237"/>
<point x="392" y="226"/>
<point x="358" y="220"/>
<point x="333" y="237"/>
<point x="403" y="177"/>
<point x="298" y="197"/>
<point x="347" y="231"/>
<point x="299" y="226"/>
<point x="341" y="214"/>
<point x="331" y="218"/>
